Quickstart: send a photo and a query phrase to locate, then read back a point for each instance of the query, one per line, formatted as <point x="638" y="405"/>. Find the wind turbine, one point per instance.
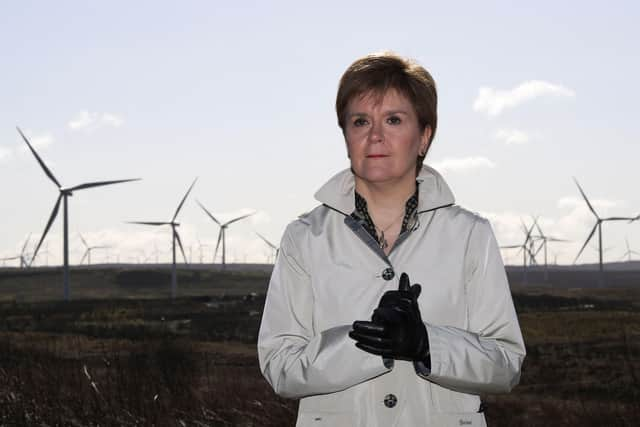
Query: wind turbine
<point x="200" y="248"/>
<point x="23" y="253"/>
<point x="271" y="245"/>
<point x="532" y="241"/>
<point x="524" y="247"/>
<point x="222" y="233"/>
<point x="629" y="251"/>
<point x="598" y="225"/>
<point x="22" y="256"/>
<point x="545" y="239"/>
<point x="87" y="253"/>
<point x="65" y="192"/>
<point x="175" y="237"/>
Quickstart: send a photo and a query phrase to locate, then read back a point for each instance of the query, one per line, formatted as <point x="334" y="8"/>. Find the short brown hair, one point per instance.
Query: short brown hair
<point x="379" y="72"/>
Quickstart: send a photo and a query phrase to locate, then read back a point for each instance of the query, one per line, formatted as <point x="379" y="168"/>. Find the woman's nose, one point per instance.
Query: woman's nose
<point x="376" y="133"/>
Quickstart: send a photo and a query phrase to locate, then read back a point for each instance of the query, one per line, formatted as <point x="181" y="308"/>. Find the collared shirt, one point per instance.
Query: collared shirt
<point x="361" y="213"/>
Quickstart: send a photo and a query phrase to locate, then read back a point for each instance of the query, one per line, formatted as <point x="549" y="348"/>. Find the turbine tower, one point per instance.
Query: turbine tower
<point x="65" y="192"/>
<point x="598" y="225"/>
<point x="175" y="237"/>
<point x="222" y="233"/>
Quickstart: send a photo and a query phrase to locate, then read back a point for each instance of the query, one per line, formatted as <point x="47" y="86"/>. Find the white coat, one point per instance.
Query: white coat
<point x="331" y="272"/>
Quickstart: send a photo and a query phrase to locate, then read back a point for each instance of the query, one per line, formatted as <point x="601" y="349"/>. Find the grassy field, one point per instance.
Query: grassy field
<point x="121" y="353"/>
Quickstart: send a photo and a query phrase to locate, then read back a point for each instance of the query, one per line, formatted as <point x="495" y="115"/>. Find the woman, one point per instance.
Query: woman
<point x="343" y="329"/>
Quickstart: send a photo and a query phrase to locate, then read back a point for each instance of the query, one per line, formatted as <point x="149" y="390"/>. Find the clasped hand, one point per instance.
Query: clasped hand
<point x="396" y="329"/>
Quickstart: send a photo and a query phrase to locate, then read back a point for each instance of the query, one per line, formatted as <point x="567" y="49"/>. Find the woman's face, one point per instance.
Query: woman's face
<point x="384" y="137"/>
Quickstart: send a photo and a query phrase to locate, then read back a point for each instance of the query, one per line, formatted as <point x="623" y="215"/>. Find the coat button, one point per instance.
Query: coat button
<point x="390" y="400"/>
<point x="388" y="273"/>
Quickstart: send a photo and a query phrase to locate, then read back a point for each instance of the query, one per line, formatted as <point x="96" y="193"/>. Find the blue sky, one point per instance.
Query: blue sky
<point x="241" y="95"/>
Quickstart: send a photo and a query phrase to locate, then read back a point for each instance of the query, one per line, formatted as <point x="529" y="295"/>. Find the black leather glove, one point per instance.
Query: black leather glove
<point x="396" y="330"/>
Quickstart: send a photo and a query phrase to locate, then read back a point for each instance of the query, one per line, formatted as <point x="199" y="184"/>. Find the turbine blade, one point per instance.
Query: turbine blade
<point x="584" y="196"/>
<point x="183" y="199"/>
<point x="100" y="183"/>
<point x="510" y="247"/>
<point x="531" y="255"/>
<point x="209" y="213"/>
<point x="148" y="223"/>
<point x="84" y="242"/>
<point x="215" y="253"/>
<point x="586" y="242"/>
<point x="239" y="218"/>
<point x="25" y="244"/>
<point x="266" y="241"/>
<point x="180" y="244"/>
<point x="531" y="228"/>
<point x="54" y="213"/>
<point x="617" y="218"/>
<point x="84" y="256"/>
<point x="44" y="167"/>
<point x="535" y="221"/>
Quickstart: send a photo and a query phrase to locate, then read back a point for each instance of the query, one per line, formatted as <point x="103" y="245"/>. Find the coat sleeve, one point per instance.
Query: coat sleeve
<point x="294" y="358"/>
<point x="486" y="357"/>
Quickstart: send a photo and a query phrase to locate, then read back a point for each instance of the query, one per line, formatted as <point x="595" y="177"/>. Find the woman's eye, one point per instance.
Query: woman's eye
<point x="394" y="120"/>
<point x="359" y="122"/>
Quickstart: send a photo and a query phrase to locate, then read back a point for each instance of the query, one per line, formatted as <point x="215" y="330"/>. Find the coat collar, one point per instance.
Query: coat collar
<point x="338" y="192"/>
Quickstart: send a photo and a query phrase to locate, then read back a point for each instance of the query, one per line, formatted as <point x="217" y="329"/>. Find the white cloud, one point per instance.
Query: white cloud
<point x="88" y="121"/>
<point x="576" y="202"/>
<point x="462" y="164"/>
<point x="494" y="101"/>
<point x="112" y="120"/>
<point x="82" y="120"/>
<point x="511" y="136"/>
<point x="41" y="141"/>
<point x="5" y="153"/>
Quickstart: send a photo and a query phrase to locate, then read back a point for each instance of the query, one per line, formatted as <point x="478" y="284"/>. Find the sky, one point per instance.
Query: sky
<point x="241" y="95"/>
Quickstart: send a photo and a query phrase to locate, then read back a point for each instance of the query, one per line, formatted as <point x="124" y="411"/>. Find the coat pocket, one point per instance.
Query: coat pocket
<point x="325" y="419"/>
<point x="459" y="419"/>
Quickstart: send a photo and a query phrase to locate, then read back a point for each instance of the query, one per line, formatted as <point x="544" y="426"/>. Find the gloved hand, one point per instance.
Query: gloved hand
<point x="396" y="330"/>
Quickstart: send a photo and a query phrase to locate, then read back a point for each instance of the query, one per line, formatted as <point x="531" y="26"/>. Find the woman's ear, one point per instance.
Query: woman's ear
<point x="425" y="140"/>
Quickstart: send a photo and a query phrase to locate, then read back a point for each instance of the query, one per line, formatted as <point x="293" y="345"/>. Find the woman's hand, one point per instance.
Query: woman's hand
<point x="396" y="330"/>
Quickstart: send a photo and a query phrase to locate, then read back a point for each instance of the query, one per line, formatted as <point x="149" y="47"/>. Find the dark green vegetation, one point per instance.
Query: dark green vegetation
<point x="121" y="353"/>
<point x="133" y="282"/>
